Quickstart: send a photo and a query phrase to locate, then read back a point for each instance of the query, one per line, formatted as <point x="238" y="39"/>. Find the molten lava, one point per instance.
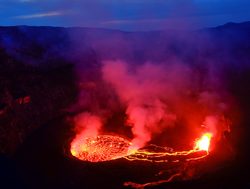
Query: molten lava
<point x="162" y="154"/>
<point x="110" y="147"/>
<point x="201" y="145"/>
<point x="204" y="142"/>
<point x="100" y="148"/>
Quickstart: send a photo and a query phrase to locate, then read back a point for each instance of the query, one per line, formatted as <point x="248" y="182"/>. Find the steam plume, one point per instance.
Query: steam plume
<point x="86" y="125"/>
<point x="144" y="91"/>
<point x="155" y="95"/>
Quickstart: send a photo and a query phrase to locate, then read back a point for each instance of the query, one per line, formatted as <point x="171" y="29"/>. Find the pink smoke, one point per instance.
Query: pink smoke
<point x="157" y="95"/>
<point x="145" y="91"/>
<point x="86" y="125"/>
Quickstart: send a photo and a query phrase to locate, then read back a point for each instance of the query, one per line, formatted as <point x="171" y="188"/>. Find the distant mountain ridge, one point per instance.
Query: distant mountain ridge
<point x="71" y="43"/>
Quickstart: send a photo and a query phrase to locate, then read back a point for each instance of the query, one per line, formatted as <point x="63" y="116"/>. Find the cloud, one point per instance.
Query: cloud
<point x="180" y="23"/>
<point x="111" y="22"/>
<point x="128" y="15"/>
<point x="25" y="1"/>
<point x="40" y="15"/>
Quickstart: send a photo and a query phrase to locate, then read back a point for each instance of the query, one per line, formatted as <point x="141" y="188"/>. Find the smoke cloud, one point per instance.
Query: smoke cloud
<point x="86" y="125"/>
<point x="154" y="95"/>
<point x="177" y="84"/>
<point x="142" y="92"/>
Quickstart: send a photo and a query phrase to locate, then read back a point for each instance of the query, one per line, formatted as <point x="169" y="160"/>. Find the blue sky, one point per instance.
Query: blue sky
<point x="128" y="15"/>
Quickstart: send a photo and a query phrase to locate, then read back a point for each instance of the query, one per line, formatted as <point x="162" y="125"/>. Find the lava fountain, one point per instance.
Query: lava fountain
<point x="204" y="142"/>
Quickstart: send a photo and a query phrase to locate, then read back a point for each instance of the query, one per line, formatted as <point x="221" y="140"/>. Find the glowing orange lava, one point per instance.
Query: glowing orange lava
<point x="100" y="148"/>
<point x="204" y="142"/>
<point x="200" y="150"/>
<point x="110" y="147"/>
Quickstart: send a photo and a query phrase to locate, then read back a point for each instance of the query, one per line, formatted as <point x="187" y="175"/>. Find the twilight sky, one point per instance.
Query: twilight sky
<point x="127" y="15"/>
